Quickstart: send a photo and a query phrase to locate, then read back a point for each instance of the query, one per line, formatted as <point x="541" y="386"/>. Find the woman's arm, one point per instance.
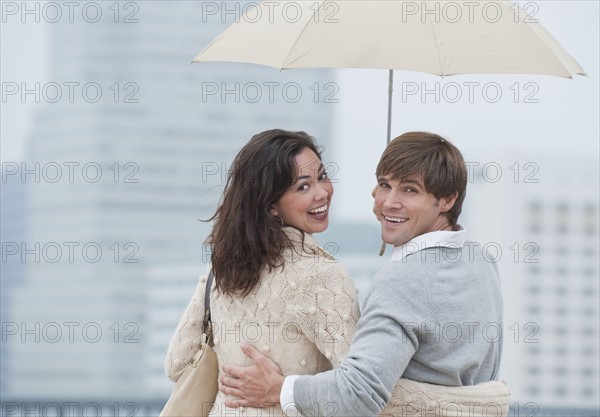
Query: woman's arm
<point x="188" y="335"/>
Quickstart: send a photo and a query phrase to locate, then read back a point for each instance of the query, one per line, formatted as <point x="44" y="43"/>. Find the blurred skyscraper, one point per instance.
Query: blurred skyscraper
<point x="119" y="170"/>
<point x="13" y="215"/>
<point x="541" y="217"/>
<point x="134" y="150"/>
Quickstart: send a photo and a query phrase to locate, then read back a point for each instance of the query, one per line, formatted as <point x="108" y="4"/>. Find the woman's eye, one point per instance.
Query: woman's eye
<point x="411" y="190"/>
<point x="303" y="187"/>
<point x="323" y="176"/>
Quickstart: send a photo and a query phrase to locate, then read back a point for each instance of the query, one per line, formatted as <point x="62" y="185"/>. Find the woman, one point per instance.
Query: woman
<point x="275" y="286"/>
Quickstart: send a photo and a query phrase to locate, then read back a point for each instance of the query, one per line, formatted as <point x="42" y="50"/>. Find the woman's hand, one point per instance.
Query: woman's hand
<point x="255" y="386"/>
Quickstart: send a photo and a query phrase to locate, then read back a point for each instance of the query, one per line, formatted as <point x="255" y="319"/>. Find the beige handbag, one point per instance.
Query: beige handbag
<point x="196" y="389"/>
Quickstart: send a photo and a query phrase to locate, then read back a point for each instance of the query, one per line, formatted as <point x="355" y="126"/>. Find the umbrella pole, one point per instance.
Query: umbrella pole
<point x="390" y="90"/>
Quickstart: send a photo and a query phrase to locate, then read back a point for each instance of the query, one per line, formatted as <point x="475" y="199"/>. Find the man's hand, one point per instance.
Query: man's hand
<point x="255" y="386"/>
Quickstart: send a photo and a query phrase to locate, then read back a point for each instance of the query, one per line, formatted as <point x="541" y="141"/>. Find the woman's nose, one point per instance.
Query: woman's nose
<point x="322" y="191"/>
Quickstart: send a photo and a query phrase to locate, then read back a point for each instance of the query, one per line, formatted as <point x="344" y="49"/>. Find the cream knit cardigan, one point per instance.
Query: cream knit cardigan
<point x="303" y="316"/>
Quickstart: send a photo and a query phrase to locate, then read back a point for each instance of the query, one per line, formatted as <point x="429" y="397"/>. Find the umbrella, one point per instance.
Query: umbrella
<point x="436" y="37"/>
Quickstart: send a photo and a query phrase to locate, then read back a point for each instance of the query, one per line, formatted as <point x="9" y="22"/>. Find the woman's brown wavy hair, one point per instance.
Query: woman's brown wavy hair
<point x="246" y="236"/>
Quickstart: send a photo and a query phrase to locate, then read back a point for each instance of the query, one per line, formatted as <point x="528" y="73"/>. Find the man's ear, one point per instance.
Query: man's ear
<point x="446" y="203"/>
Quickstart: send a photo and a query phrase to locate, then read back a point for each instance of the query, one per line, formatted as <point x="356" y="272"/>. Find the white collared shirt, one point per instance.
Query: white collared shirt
<point x="439" y="238"/>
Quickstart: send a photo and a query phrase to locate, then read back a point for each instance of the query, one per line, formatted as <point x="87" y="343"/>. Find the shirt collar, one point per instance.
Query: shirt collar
<point x="440" y="238"/>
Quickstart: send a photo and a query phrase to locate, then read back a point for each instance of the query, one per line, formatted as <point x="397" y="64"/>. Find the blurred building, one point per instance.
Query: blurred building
<point x="542" y="218"/>
<point x="118" y="175"/>
<point x="356" y="246"/>
<point x="13" y="215"/>
<point x="132" y="169"/>
<point x="169" y="289"/>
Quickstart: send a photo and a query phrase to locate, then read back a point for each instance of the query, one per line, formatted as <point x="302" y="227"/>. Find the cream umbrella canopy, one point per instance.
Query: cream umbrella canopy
<point x="436" y="37"/>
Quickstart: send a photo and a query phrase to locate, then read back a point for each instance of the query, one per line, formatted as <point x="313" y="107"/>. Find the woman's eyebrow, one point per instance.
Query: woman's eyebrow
<point x="303" y="177"/>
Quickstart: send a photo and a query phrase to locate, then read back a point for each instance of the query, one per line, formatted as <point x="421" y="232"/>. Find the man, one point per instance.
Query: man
<point x="433" y="314"/>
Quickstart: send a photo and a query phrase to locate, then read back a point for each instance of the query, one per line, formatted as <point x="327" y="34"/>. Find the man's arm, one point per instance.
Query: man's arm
<point x="472" y="400"/>
<point x="380" y="352"/>
<point x="378" y="356"/>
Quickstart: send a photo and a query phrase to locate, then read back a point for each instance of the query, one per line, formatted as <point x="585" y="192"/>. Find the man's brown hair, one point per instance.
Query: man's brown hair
<point x="431" y="157"/>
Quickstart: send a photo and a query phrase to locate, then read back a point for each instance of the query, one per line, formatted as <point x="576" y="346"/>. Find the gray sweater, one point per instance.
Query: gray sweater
<point x="433" y="316"/>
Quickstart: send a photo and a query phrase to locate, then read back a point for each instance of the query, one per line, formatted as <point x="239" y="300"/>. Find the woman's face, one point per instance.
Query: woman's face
<point x="306" y="204"/>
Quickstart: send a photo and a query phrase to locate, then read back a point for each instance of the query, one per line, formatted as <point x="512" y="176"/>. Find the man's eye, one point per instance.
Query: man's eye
<point x="384" y="185"/>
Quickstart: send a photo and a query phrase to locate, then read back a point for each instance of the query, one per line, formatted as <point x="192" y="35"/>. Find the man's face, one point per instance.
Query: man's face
<point x="405" y="210"/>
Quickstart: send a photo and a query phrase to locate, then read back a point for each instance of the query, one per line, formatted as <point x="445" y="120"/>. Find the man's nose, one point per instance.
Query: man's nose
<point x="392" y="201"/>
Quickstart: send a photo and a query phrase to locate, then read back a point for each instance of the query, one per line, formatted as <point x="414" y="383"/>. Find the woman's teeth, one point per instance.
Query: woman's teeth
<point x="318" y="210"/>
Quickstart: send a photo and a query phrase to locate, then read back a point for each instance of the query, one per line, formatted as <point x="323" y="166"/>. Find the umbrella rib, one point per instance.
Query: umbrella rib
<point x="552" y="54"/>
<point x="300" y="34"/>
<point x="437" y="48"/>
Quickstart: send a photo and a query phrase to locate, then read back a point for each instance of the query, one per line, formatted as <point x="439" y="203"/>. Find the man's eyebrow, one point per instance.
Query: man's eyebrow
<point x="411" y="181"/>
<point x="402" y="181"/>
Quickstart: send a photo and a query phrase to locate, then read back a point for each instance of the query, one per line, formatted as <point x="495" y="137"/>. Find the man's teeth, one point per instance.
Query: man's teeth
<point x="396" y="219"/>
<point x="318" y="210"/>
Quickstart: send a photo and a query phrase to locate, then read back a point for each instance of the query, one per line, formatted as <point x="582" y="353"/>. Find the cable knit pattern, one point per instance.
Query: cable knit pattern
<point x="418" y="399"/>
<point x="303" y="316"/>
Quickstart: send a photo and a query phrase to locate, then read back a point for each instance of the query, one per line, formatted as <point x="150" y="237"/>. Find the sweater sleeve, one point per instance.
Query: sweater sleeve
<point x="328" y="310"/>
<point x="188" y="335"/>
<point x="382" y="348"/>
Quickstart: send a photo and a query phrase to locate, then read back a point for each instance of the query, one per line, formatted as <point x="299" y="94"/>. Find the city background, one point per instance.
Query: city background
<point x="114" y="149"/>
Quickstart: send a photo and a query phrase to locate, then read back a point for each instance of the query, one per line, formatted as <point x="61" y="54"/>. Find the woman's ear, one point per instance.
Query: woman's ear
<point x="274" y="212"/>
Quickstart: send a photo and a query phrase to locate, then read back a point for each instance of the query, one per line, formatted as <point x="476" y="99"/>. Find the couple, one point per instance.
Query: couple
<point x="422" y="344"/>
